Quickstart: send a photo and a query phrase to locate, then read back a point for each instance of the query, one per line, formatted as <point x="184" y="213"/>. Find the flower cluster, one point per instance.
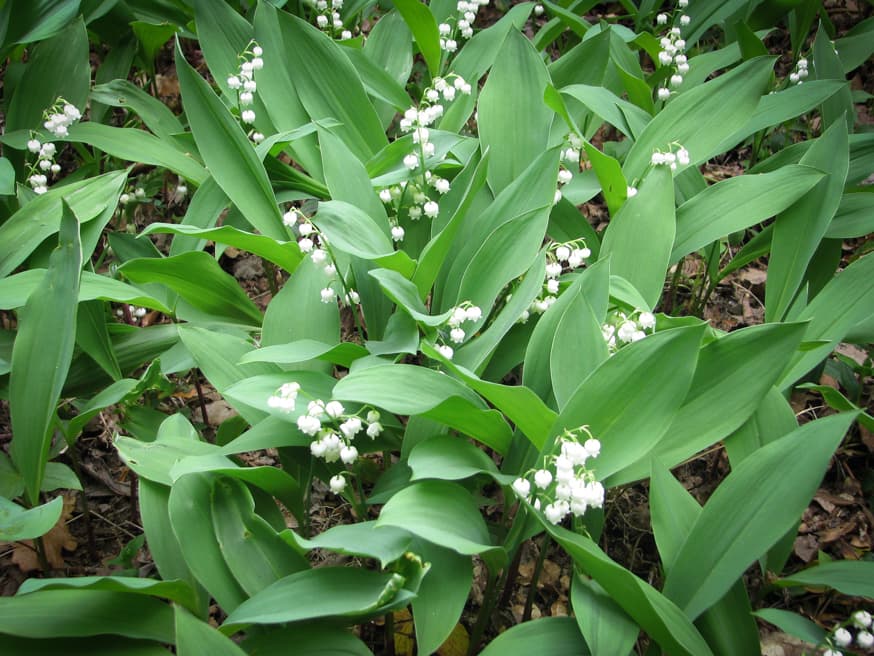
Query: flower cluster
<point x="58" y="119"/>
<point x="138" y="196"/>
<point x="459" y="315"/>
<point x="670" y="158"/>
<point x="245" y="86"/>
<point x="571" y="255"/>
<point x="569" y="488"/>
<point x="621" y="329"/>
<point x="800" y="72"/>
<point x="459" y="26"/>
<point x="841" y="637"/>
<point x="134" y="313"/>
<point x="672" y="51"/>
<point x="328" y="18"/>
<point x="416" y="121"/>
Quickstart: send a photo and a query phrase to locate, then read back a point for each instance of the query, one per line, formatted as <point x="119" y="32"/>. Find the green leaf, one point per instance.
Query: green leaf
<point x="850" y="577"/>
<point x="654" y="376"/>
<point x="35" y="21"/>
<point x="197" y="278"/>
<point x="196" y="638"/>
<point x="92" y="337"/>
<point x="799" y="229"/>
<point x="57" y="67"/>
<point x="386" y="543"/>
<point x="623" y="115"/>
<point x="547" y="636"/>
<point x="341" y="592"/>
<point x="155" y="114"/>
<point x="30" y="226"/>
<point x="177" y="591"/>
<point x="92" y="646"/>
<point x="737" y="203"/>
<point x="138" y="146"/>
<point x="16" y="523"/>
<point x="41" y="356"/>
<point x="515" y="132"/>
<point x="442" y="594"/>
<point x="7" y="178"/>
<point x="606" y="628"/>
<point x="449" y="458"/>
<point x="733" y="374"/>
<point x="700" y="119"/>
<point x="47" y="614"/>
<point x="324" y="80"/>
<point x="411" y="390"/>
<point x="283" y="253"/>
<point x="842" y="304"/>
<point x="750" y="511"/>
<point x="854" y="218"/>
<point x="639" y="238"/>
<point x="312" y="639"/>
<point x="441" y="512"/>
<point x="793" y="624"/>
<point x="302" y="350"/>
<point x="191" y="518"/>
<point x="421" y="22"/>
<point x="350" y="230"/>
<point x="227" y="153"/>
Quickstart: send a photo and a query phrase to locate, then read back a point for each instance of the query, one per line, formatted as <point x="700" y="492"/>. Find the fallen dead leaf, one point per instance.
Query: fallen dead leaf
<point x="456" y="644"/>
<point x="405" y="641"/>
<point x="806" y="547"/>
<point x="55" y="542"/>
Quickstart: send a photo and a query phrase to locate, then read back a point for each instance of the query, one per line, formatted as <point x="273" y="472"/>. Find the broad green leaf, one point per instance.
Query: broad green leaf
<point x="653" y="612"/>
<point x="639" y="238"/>
<point x="227" y="153"/>
<point x="728" y="625"/>
<point x="30" y="226"/>
<point x="733" y="374"/>
<point x="341" y="592"/>
<point x="750" y="511"/>
<point x="707" y="14"/>
<point x="155" y="114"/>
<point x="514" y="132"/>
<point x="412" y="390"/>
<point x="133" y="145"/>
<point x="854" y="218"/>
<point x="47" y="614"/>
<point x="827" y="66"/>
<point x="799" y="229"/>
<point x="17" y="523"/>
<point x="606" y="628"/>
<point x="449" y="458"/>
<point x="630" y="400"/>
<point x="421" y="22"/>
<point x="197" y="278"/>
<point x="102" y="645"/>
<point x="781" y="106"/>
<point x="793" y="624"/>
<point x="442" y="595"/>
<point x="351" y="230"/>
<point x="325" y="82"/>
<point x="7" y="177"/>
<point x="154" y="461"/>
<point x="385" y="543"/>
<point x="163" y="546"/>
<point x="700" y="119"/>
<point x="850" y="577"/>
<point x="253" y="551"/>
<point x="57" y="68"/>
<point x="404" y="293"/>
<point x="192" y="522"/>
<point x="738" y="203"/>
<point x="302" y="350"/>
<point x="223" y="35"/>
<point x="347" y="180"/>
<point x="177" y="591"/>
<point x="441" y="512"/>
<point x="92" y="337"/>
<point x="312" y="639"/>
<point x="17" y="288"/>
<point x="547" y="636"/>
<point x="41" y="356"/>
<point x="629" y="119"/>
<point x="297" y="312"/>
<point x="283" y="253"/>
<point x="196" y="638"/>
<point x="38" y="20"/>
<point x="841" y="305"/>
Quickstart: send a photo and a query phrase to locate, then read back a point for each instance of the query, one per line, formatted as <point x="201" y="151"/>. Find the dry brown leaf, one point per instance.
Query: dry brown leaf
<point x="550" y="573"/>
<point x="55" y="542"/>
<point x="806" y="547"/>
<point x="456" y="644"/>
<point x="405" y="642"/>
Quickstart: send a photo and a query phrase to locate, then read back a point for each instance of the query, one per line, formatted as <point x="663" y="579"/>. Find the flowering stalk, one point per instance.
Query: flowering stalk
<point x="58" y="118"/>
<point x="243" y="82"/>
